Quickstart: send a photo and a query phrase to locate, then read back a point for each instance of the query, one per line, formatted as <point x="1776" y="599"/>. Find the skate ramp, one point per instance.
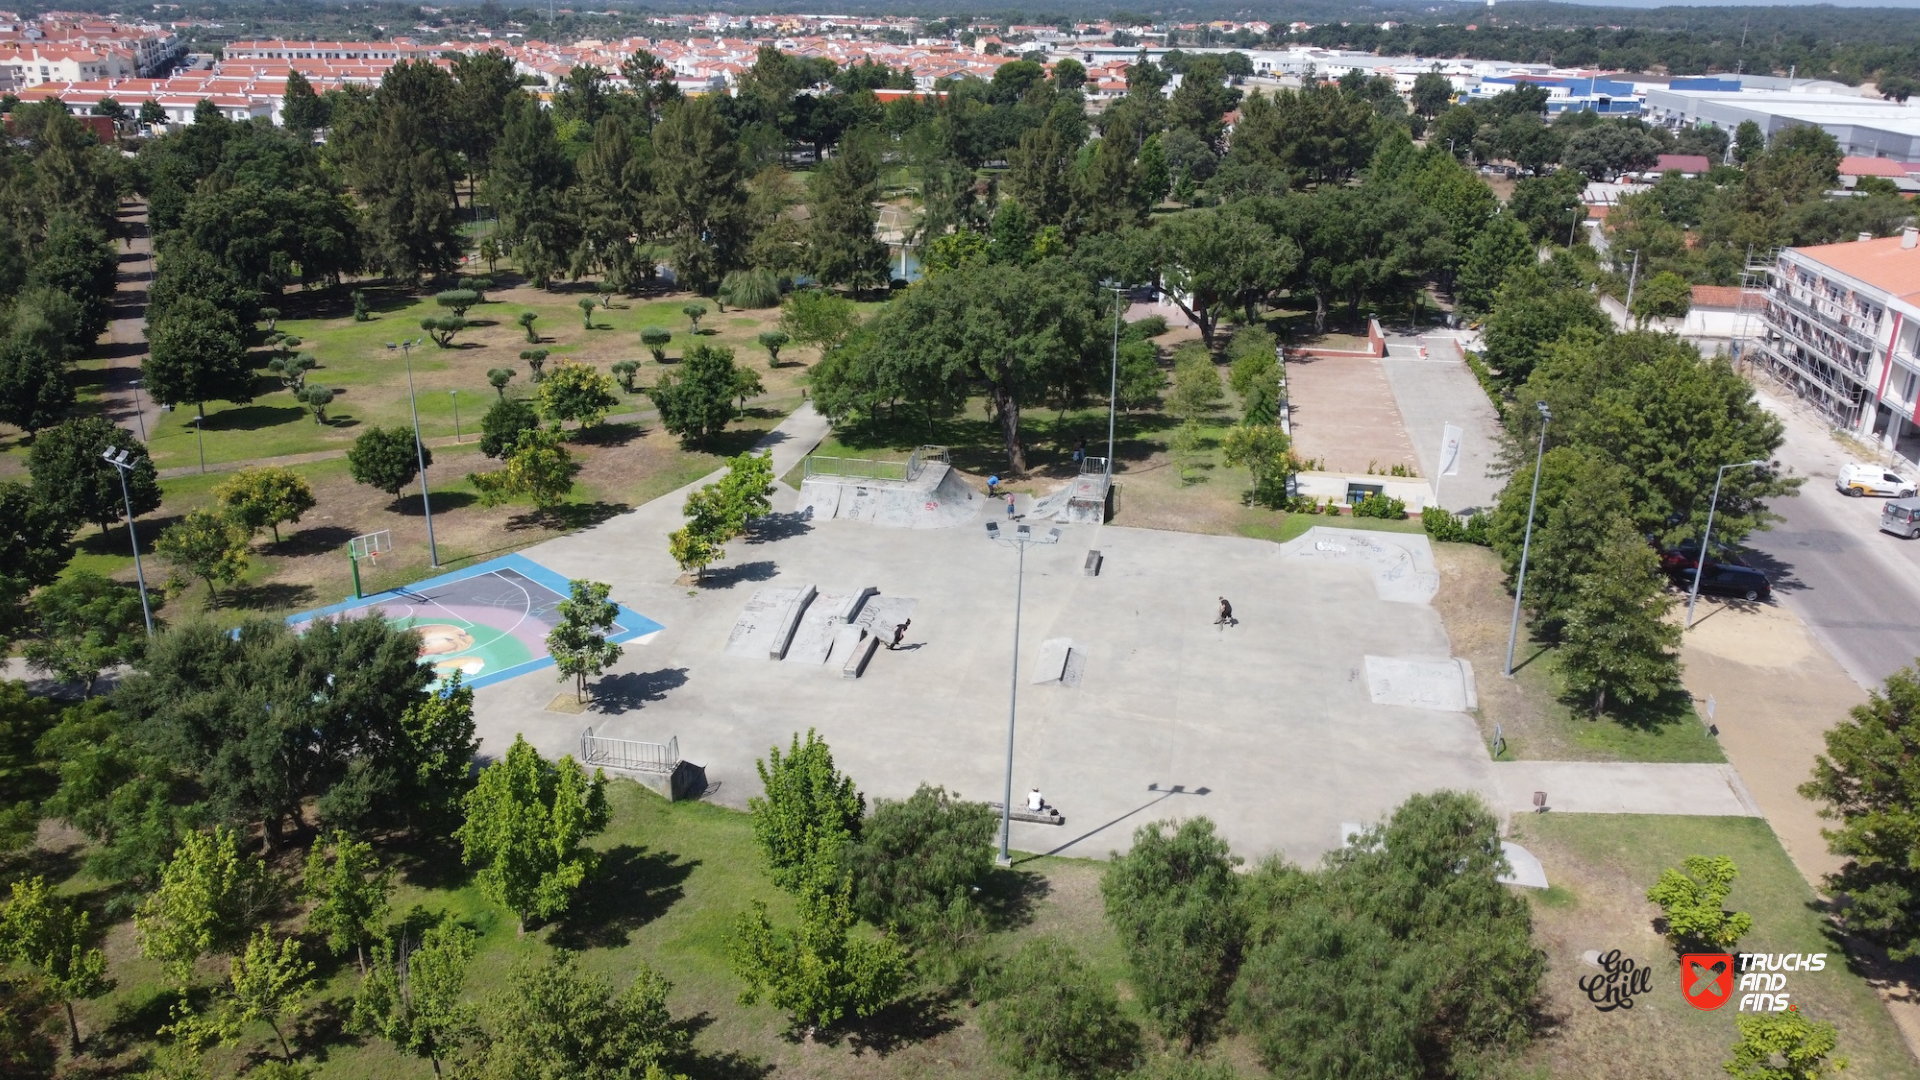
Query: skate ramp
<point x="1421" y="684"/>
<point x="1083" y="501"/>
<point x="936" y="499"/>
<point x="1401" y="563"/>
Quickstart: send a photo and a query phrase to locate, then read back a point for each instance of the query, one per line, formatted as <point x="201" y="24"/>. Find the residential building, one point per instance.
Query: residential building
<point x="1839" y="327"/>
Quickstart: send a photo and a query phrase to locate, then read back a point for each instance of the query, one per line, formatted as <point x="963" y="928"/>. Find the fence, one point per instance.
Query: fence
<point x="871" y="469"/>
<point x="629" y="755"/>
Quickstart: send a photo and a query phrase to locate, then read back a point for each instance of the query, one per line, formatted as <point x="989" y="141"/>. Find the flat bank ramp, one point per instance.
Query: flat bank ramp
<point x="936" y="499"/>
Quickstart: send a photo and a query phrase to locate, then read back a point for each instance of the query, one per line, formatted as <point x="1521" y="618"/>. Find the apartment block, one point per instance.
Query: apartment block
<point x="1841" y="327"/>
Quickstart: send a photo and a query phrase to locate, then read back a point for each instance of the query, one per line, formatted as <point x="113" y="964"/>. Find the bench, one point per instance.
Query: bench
<point x="1049" y="816"/>
<point x="1092" y="566"/>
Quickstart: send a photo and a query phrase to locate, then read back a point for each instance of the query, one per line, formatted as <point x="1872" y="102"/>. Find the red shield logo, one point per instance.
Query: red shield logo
<point x="1706" y="979"/>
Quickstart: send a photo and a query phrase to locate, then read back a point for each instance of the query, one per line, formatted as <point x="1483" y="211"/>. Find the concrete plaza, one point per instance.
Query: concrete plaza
<point x="1267" y="726"/>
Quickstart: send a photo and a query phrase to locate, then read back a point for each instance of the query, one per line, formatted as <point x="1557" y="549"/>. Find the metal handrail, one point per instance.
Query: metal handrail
<point x="860" y="468"/>
<point x="629" y="755"/>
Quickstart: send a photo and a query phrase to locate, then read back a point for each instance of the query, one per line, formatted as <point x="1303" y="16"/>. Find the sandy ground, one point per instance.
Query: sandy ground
<point x="1344" y="415"/>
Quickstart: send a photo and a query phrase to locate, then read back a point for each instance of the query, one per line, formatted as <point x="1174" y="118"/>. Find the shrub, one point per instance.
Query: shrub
<point x="655" y="338"/>
<point x="624" y="370"/>
<point x="457" y="300"/>
<point x="919" y="859"/>
<point x="1693" y="895"/>
<point x="1378" y="505"/>
<point x="1141" y="329"/>
<point x="500" y="428"/>
<point x="1443" y="525"/>
<point x="750" y="289"/>
<point x="1048" y="1017"/>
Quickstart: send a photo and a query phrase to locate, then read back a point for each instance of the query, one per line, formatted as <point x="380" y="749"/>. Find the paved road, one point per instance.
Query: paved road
<point x="1857" y="588"/>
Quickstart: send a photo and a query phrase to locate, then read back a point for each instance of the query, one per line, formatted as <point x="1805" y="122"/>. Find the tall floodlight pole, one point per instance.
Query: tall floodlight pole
<point x="1023" y="536"/>
<point x="419" y="451"/>
<point x="138" y="413"/>
<point x="1633" y="277"/>
<point x="123" y="461"/>
<point x="1700" y="562"/>
<point x="1113" y="380"/>
<point x="1526" y="545"/>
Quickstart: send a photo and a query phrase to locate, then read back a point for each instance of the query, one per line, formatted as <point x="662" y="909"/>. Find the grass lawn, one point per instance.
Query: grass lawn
<point x="1601" y="866"/>
<point x="1536" y="723"/>
<point x="674" y="878"/>
<point x="623" y="466"/>
<point x="370" y="382"/>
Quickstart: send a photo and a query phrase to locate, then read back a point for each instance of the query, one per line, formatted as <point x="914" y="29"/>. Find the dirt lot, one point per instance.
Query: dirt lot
<point x="1344" y="415"/>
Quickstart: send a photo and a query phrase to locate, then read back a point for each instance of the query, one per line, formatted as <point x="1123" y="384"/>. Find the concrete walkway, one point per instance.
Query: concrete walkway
<point x="1623" y="787"/>
<point x="1437" y="390"/>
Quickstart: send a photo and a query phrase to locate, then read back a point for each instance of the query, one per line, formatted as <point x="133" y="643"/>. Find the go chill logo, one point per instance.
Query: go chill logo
<point x="1707" y="980"/>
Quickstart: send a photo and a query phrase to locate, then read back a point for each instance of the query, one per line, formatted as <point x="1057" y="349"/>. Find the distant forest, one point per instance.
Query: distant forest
<point x="1848" y="44"/>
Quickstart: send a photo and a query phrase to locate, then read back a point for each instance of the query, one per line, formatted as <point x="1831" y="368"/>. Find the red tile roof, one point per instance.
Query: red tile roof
<point x="1686" y="163"/>
<point x="1868" y="166"/>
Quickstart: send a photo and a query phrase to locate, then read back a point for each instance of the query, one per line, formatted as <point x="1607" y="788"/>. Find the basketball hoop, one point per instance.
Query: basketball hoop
<point x="369" y="547"/>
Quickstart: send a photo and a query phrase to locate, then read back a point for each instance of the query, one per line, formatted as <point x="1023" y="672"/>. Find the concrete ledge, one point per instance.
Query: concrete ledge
<point x="789" y="622"/>
<point x="856" y="664"/>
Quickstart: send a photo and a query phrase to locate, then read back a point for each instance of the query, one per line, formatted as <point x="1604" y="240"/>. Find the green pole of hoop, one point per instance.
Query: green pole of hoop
<point x="356" y="575"/>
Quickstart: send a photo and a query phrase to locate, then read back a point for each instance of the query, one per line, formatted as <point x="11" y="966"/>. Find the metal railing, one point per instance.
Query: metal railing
<point x="628" y="755"/>
<point x="874" y="469"/>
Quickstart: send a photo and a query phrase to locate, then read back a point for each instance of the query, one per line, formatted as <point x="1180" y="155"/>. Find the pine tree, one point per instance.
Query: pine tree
<point x="528" y="184"/>
<point x="700" y="191"/>
<point x="1619" y="645"/>
<point x="841" y="246"/>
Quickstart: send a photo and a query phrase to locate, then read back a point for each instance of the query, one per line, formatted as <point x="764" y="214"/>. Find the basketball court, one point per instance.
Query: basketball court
<point x="488" y="622"/>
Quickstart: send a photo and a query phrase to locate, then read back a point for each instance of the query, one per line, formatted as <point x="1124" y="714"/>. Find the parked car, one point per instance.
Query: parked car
<point x="1901" y="517"/>
<point x="1724" y="579"/>
<point x="1686" y="553"/>
<point x="1857" y="479"/>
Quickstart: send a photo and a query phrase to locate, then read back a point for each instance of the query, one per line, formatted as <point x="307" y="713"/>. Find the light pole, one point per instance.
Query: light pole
<point x="419" y="451"/>
<point x="1526" y="545"/>
<point x="1113" y="380"/>
<point x="123" y="461"/>
<point x="1633" y="276"/>
<point x="199" y="436"/>
<point x="1700" y="562"/>
<point x="456" y="414"/>
<point x="1022" y="538"/>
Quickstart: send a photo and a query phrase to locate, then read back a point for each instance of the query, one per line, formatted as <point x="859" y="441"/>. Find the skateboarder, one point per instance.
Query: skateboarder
<point x="1226" y="615"/>
<point x="1009" y="506"/>
<point x="899" y="632"/>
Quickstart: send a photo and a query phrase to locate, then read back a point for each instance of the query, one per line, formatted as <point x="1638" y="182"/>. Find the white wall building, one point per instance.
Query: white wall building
<point x="1841" y="327"/>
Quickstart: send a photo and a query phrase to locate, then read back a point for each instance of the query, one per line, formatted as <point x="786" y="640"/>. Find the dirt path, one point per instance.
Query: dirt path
<point x="126" y="345"/>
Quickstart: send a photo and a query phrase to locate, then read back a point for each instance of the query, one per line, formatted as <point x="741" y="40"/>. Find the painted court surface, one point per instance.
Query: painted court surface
<point x="488" y="622"/>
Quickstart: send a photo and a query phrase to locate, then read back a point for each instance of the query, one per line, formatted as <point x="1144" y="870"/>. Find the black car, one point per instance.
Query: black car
<point x="1723" y="579"/>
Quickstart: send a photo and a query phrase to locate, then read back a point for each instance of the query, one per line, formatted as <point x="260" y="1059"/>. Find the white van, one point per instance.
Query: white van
<point x="1857" y="479"/>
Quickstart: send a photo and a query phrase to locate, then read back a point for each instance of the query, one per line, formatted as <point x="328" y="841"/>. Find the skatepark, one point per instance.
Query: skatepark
<point x="1330" y="699"/>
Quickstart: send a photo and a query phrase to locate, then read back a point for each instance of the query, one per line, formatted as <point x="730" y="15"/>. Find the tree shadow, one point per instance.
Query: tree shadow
<point x="268" y="596"/>
<point x="318" y="540"/>
<point x="443" y="501"/>
<point x="633" y="887"/>
<point x="732" y="443"/>
<point x="726" y="577"/>
<point x="583" y="515"/>
<point x="721" y="1065"/>
<point x="1009" y="896"/>
<point x="1672" y="706"/>
<point x="910" y="1020"/>
<point x="616" y="694"/>
<point x="609" y="435"/>
<point x="253" y="417"/>
<point x="427" y="862"/>
<point x="774" y="527"/>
